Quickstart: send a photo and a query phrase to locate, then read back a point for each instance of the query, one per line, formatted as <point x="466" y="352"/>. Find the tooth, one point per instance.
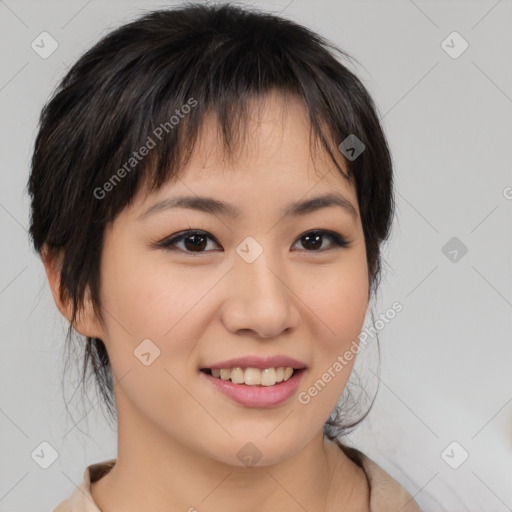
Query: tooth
<point x="237" y="375"/>
<point x="252" y="376"/>
<point x="288" y="373"/>
<point x="268" y="377"/>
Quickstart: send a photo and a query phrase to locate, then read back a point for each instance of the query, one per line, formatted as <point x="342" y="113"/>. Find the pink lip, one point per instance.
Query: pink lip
<point x="257" y="396"/>
<point x="258" y="362"/>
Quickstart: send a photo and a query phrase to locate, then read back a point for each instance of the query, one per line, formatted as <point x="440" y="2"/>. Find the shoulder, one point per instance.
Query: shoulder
<point x="386" y="494"/>
<point x="81" y="499"/>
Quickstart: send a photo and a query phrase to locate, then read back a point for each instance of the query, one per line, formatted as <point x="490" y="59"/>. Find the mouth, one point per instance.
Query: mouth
<point x="247" y="376"/>
<point x="254" y="387"/>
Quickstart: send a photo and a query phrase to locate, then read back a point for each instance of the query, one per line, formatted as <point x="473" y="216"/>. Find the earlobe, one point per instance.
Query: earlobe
<point x="85" y="322"/>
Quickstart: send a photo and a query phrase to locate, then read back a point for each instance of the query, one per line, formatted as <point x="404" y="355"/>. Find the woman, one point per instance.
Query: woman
<point x="210" y="188"/>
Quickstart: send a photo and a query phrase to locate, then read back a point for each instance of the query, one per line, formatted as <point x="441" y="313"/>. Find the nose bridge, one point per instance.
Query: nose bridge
<point x="260" y="297"/>
<point x="263" y="278"/>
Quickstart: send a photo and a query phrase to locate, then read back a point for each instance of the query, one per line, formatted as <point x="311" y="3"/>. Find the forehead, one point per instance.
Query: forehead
<point x="272" y="160"/>
<point x="277" y="130"/>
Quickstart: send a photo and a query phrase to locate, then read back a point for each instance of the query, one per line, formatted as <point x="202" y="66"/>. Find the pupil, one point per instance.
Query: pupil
<point x="316" y="243"/>
<point x="195" y="244"/>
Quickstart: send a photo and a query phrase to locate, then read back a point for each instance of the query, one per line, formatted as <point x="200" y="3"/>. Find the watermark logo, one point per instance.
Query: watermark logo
<point x="351" y="147"/>
<point x="454" y="249"/>
<point x="454" y="455"/>
<point x="249" y="454"/>
<point x="44" y="45"/>
<point x="44" y="455"/>
<point x="454" y="45"/>
<point x="249" y="249"/>
<point x="146" y="352"/>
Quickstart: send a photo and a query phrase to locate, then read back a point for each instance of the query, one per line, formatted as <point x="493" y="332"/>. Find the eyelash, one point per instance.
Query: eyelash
<point x="169" y="244"/>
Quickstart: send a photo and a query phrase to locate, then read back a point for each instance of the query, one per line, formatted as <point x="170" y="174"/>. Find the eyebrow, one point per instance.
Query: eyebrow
<point x="216" y="207"/>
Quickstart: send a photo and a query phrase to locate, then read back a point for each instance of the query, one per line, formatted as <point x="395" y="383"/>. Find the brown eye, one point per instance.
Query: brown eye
<point x="193" y="241"/>
<point x="313" y="240"/>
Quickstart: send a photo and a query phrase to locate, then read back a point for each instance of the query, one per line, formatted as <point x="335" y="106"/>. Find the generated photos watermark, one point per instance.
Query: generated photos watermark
<point x="143" y="151"/>
<point x="343" y="360"/>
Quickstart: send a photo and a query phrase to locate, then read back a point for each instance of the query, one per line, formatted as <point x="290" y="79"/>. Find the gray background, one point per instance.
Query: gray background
<point x="446" y="358"/>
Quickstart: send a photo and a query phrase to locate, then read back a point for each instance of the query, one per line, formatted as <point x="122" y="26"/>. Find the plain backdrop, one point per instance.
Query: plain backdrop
<point x="442" y="421"/>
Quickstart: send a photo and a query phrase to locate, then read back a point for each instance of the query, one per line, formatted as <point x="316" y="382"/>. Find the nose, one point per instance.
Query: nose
<point x="260" y="300"/>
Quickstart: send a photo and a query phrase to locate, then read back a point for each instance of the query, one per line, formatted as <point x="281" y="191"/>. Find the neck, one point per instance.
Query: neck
<point x="155" y="472"/>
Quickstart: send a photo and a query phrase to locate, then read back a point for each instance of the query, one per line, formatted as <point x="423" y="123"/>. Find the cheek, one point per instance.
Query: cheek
<point x="339" y="309"/>
<point x="337" y="298"/>
<point x="164" y="303"/>
<point x="160" y="304"/>
<point x="148" y="300"/>
<point x="337" y="301"/>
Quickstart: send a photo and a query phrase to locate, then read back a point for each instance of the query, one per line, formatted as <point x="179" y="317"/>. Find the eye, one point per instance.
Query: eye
<point x="195" y="241"/>
<point x="314" y="240"/>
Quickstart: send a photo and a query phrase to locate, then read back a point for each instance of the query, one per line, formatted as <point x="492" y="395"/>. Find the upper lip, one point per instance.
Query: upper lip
<point x="258" y="362"/>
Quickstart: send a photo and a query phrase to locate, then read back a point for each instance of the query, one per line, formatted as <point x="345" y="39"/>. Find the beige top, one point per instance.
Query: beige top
<point x="386" y="495"/>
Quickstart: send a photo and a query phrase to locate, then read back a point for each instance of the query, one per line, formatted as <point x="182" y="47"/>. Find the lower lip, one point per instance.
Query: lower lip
<point x="258" y="396"/>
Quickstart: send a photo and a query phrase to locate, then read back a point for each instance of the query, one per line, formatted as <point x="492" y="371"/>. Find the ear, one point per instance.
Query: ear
<point x="86" y="322"/>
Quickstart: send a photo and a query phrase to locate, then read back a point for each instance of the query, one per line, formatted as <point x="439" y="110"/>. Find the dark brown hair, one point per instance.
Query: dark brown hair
<point x="140" y="75"/>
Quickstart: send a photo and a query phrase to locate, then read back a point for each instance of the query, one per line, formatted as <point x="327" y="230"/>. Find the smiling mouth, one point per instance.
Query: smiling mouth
<point x="253" y="376"/>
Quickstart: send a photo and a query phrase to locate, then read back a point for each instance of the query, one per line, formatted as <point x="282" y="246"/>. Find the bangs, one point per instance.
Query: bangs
<point x="142" y="119"/>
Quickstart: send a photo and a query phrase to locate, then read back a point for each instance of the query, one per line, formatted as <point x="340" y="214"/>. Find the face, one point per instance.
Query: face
<point x="259" y="284"/>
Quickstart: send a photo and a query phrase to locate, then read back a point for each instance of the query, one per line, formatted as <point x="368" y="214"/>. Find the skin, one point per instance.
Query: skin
<point x="178" y="437"/>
